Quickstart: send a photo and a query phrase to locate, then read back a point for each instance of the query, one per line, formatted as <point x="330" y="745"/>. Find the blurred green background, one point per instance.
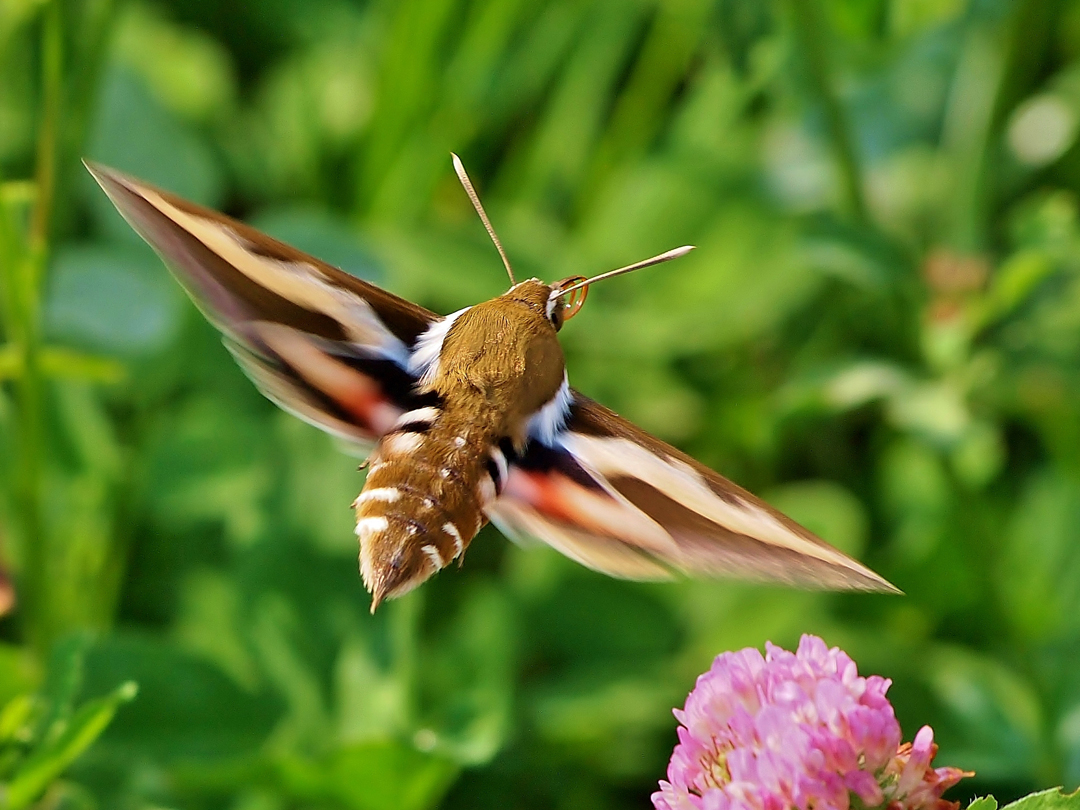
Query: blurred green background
<point x="879" y="333"/>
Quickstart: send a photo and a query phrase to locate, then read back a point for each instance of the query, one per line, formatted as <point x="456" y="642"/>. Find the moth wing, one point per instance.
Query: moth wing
<point x="618" y="500"/>
<point x="319" y="342"/>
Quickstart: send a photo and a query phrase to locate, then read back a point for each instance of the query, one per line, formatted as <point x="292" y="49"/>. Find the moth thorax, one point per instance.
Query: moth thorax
<point x="501" y="361"/>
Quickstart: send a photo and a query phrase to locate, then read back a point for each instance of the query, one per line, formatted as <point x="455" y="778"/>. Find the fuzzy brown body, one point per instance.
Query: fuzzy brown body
<point x="434" y="473"/>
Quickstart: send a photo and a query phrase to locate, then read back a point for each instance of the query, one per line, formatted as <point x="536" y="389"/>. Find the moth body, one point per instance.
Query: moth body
<point x="495" y="371"/>
<point x="470" y="416"/>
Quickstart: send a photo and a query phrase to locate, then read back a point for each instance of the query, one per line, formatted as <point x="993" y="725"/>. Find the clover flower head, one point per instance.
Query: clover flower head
<point x="797" y="730"/>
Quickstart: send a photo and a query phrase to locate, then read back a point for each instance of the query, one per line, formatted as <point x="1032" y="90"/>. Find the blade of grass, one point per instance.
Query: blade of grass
<point x="967" y="134"/>
<point x="811" y="31"/>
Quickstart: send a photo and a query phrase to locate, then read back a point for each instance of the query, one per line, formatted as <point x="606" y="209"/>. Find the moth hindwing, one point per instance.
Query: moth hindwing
<point x="468" y="417"/>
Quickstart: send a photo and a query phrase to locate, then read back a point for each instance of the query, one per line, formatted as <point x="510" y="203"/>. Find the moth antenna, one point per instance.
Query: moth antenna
<point x="467" y="183"/>
<point x="663" y="257"/>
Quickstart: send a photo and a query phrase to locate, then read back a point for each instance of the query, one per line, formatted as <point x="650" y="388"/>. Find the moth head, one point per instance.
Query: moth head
<point x="548" y="300"/>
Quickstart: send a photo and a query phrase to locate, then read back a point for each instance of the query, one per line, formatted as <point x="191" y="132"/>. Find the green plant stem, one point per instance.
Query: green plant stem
<point x="810" y="29"/>
<point x="26" y="330"/>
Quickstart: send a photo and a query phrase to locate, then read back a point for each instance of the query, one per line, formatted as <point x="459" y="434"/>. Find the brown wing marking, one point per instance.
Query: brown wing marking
<point x="238" y="273"/>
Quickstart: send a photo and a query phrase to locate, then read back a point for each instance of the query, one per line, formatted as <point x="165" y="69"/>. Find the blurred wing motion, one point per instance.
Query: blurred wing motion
<point x="618" y="500"/>
<point x="335" y="351"/>
<point x="322" y="344"/>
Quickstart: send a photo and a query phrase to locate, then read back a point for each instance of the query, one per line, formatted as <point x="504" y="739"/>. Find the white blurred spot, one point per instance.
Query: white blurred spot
<point x="425" y="739"/>
<point x="1041" y="129"/>
<point x="862" y="383"/>
<point x="799" y="171"/>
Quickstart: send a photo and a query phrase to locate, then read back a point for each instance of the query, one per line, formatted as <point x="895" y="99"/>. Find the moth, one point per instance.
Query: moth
<point x="468" y="418"/>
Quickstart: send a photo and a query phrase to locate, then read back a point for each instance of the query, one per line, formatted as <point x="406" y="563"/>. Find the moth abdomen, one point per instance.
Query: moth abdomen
<point x="429" y="481"/>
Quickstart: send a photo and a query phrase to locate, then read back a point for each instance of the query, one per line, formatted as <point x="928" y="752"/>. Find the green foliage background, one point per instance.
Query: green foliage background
<point x="879" y="332"/>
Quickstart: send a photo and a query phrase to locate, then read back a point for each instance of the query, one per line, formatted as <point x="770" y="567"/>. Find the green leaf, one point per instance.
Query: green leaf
<point x="188" y="710"/>
<point x="58" y="362"/>
<point x="321" y="481"/>
<point x="983" y="803"/>
<point x="385" y="777"/>
<point x="210" y="466"/>
<point x="188" y="70"/>
<point x="993" y="717"/>
<point x="133" y="132"/>
<point x="65" y="678"/>
<point x="979" y="455"/>
<point x="469" y="681"/>
<point x="381" y="775"/>
<point x="10" y="361"/>
<point x="935" y="410"/>
<point x="114" y="299"/>
<point x="14" y="717"/>
<point x="856" y="384"/>
<point x="49" y="761"/>
<point x="909" y="17"/>
<point x="1014" y="282"/>
<point x="1038" y="569"/>
<point x="18" y="672"/>
<point x="915" y="492"/>
<point x="1052" y="799"/>
<point x="613" y="723"/>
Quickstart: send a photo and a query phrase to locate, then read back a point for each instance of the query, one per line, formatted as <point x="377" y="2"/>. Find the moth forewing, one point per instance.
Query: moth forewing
<point x="471" y="416"/>
<point x="269" y="280"/>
